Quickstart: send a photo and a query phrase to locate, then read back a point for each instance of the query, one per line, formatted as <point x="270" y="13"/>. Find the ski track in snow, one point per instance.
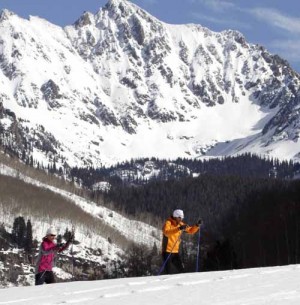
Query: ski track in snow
<point x="258" y="286"/>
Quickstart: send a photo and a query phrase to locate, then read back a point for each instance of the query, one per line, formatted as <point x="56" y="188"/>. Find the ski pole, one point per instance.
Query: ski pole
<point x="198" y="247"/>
<point x="72" y="253"/>
<point x="166" y="260"/>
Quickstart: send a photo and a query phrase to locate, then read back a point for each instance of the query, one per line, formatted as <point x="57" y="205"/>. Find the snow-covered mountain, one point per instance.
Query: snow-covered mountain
<point x="121" y="84"/>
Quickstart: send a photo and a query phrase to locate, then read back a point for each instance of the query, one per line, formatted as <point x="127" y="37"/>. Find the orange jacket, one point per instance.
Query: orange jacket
<point x="171" y="235"/>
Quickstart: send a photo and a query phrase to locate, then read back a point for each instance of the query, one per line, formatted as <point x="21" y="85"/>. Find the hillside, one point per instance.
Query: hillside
<point x="102" y="235"/>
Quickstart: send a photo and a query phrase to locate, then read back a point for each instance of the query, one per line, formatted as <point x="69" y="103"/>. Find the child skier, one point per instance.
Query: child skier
<point x="45" y="260"/>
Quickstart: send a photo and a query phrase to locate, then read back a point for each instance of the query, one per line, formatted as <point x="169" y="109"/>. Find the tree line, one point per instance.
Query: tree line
<point x="131" y="172"/>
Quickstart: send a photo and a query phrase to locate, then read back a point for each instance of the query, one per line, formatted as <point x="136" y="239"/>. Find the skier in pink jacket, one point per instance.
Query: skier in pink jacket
<point x="45" y="260"/>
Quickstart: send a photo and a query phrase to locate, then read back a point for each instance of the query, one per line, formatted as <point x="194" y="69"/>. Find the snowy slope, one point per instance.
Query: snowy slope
<point x="277" y="285"/>
<point x="132" y="230"/>
<point x="120" y="84"/>
<point x="136" y="231"/>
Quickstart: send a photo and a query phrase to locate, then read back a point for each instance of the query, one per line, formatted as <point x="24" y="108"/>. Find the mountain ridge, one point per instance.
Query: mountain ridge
<point x="120" y="84"/>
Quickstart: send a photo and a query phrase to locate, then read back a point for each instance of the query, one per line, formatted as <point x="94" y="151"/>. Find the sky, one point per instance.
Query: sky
<point x="257" y="286"/>
<point x="274" y="24"/>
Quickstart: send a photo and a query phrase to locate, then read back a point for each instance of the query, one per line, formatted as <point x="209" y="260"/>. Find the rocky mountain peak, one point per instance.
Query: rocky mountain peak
<point x="121" y="76"/>
<point x="113" y="4"/>
<point x="84" y="20"/>
<point x="120" y="9"/>
<point x="5" y="14"/>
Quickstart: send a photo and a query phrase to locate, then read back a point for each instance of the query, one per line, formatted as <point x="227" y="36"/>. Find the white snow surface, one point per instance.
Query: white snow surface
<point x="259" y="286"/>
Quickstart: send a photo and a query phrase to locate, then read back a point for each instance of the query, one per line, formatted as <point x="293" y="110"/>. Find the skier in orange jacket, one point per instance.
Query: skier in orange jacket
<point x="172" y="230"/>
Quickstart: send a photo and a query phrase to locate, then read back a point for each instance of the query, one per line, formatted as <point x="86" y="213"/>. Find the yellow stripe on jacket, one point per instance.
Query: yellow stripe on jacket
<point x="171" y="235"/>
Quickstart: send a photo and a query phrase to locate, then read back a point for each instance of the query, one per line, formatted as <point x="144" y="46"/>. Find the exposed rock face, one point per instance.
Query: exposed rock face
<point x="50" y="90"/>
<point x="122" y="76"/>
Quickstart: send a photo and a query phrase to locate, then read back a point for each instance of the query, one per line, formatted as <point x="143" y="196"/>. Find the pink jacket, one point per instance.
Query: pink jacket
<point x="48" y="250"/>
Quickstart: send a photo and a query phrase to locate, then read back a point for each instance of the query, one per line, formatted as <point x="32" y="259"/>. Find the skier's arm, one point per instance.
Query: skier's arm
<point x="195" y="228"/>
<point x="192" y="230"/>
<point x="66" y="245"/>
<point x="168" y="229"/>
<point x="63" y="247"/>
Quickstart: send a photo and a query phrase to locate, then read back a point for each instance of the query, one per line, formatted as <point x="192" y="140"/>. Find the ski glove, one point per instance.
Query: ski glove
<point x="71" y="238"/>
<point x="183" y="227"/>
<point x="199" y="222"/>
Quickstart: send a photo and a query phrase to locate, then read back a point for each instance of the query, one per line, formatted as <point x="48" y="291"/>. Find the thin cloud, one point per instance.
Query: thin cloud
<point x="216" y="5"/>
<point x="151" y="2"/>
<point x="229" y="23"/>
<point x="277" y="19"/>
<point x="287" y="49"/>
<point x="200" y="16"/>
<point x="219" y="9"/>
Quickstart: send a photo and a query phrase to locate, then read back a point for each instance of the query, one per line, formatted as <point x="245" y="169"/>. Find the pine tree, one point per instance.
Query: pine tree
<point x="19" y="232"/>
<point x="28" y="239"/>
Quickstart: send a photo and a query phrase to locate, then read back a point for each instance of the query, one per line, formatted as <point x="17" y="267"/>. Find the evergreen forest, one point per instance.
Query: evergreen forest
<point x="247" y="222"/>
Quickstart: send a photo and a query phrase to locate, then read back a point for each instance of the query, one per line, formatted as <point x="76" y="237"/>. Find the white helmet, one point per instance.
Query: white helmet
<point x="51" y="231"/>
<point x="178" y="213"/>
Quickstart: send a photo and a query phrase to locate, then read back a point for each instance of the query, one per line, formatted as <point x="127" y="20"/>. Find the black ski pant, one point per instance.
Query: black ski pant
<point x="174" y="260"/>
<point x="44" y="277"/>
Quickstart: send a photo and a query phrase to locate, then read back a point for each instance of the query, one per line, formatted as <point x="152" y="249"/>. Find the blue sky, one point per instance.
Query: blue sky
<point x="274" y="24"/>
